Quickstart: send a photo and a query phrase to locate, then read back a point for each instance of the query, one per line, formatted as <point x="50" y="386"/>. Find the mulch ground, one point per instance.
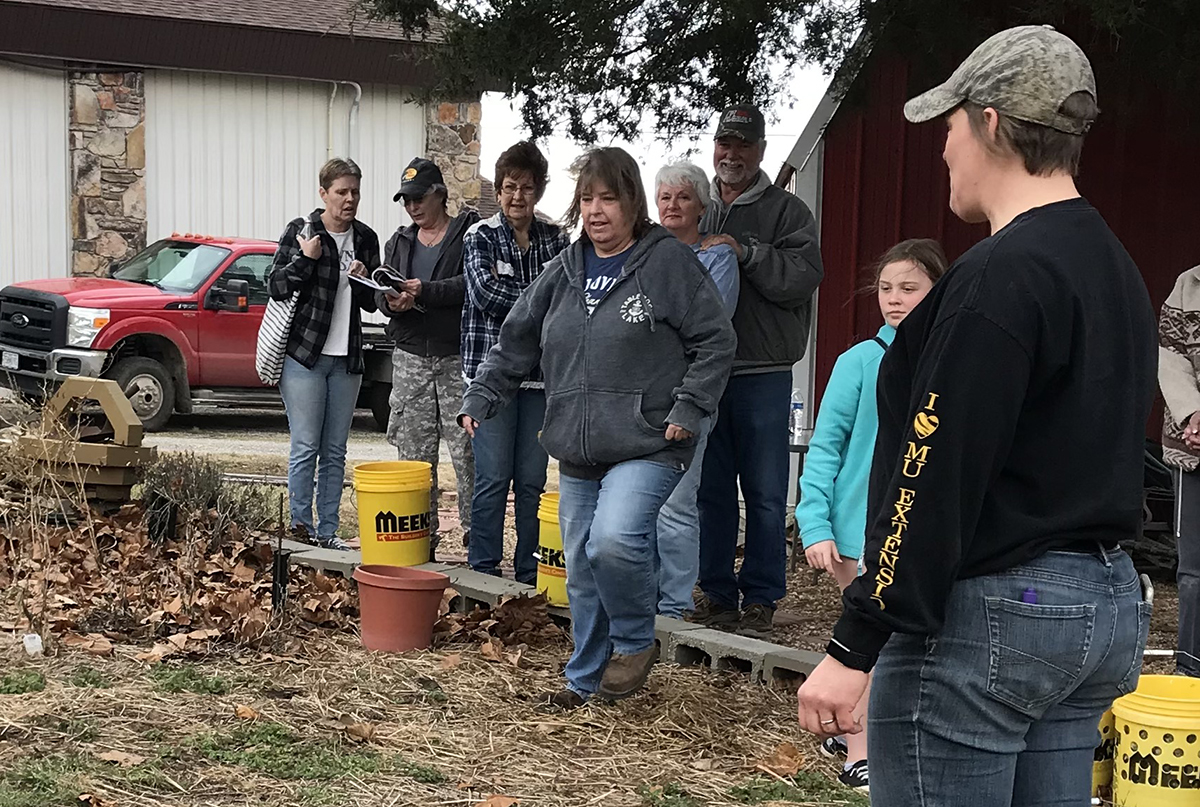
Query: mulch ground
<point x="169" y="680"/>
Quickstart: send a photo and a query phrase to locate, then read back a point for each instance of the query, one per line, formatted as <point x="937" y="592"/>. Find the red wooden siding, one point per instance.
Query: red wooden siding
<point x="884" y="181"/>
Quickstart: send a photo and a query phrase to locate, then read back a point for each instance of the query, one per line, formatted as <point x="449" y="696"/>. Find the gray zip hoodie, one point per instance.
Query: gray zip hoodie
<point x="656" y="350"/>
<point x="781" y="268"/>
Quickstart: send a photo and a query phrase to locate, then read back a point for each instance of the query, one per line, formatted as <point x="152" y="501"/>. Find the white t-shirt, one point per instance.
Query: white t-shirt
<point x="337" y="343"/>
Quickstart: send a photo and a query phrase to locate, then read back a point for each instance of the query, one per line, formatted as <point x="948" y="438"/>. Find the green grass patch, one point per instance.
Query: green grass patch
<point x="140" y="778"/>
<point x="805" y="787"/>
<point x="89" y="677"/>
<point x="668" y="795"/>
<point x="320" y="796"/>
<point x="46" y="782"/>
<point x="424" y="774"/>
<point x="77" y="729"/>
<point x="188" y="679"/>
<point x="275" y="750"/>
<point x="22" y="682"/>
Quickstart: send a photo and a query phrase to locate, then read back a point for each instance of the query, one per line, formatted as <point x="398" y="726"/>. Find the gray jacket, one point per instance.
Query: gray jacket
<point x="781" y="269"/>
<point x="656" y="350"/>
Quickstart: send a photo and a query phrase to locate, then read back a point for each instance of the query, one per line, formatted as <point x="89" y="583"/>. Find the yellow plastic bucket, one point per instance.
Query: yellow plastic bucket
<point x="393" y="512"/>
<point x="1157" y="761"/>
<point x="552" y="566"/>
<point x="1102" y="760"/>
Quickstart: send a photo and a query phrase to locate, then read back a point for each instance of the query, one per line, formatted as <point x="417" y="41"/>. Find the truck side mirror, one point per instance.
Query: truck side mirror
<point x="229" y="295"/>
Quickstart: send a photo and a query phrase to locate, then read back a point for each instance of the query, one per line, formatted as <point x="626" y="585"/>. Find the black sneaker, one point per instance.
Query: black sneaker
<point x="855" y="777"/>
<point x="712" y="615"/>
<point x="757" y="620"/>
<point x="834" y="747"/>
<point x="332" y="542"/>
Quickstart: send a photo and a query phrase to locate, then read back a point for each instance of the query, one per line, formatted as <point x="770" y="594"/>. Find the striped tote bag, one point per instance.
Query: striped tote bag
<point x="273" y="333"/>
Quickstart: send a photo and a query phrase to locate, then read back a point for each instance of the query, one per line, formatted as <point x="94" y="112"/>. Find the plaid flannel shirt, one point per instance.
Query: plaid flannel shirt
<point x="317" y="281"/>
<point x="497" y="272"/>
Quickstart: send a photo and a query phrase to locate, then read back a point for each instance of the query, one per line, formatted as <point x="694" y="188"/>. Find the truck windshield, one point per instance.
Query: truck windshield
<point x="178" y="266"/>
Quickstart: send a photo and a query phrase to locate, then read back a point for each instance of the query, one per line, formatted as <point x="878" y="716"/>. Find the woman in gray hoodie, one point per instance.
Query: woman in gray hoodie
<point x="635" y="347"/>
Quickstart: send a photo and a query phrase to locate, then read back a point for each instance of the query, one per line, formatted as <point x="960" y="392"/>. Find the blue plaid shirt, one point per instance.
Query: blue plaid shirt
<point x="497" y="272"/>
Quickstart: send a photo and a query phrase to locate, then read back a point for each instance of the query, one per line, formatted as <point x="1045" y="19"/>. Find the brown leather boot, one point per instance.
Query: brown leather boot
<point x="625" y="675"/>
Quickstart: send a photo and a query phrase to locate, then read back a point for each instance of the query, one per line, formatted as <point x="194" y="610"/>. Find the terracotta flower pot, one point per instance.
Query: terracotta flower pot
<point x="398" y="606"/>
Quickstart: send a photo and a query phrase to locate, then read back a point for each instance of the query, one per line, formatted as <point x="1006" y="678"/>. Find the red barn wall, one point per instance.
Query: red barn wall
<point x="884" y="181"/>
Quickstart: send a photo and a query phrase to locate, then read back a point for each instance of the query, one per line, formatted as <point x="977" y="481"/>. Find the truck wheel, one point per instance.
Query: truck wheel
<point x="381" y="406"/>
<point x="149" y="388"/>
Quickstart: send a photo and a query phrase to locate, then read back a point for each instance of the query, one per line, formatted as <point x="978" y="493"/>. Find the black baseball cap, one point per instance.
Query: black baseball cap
<point x="421" y="177"/>
<point x="744" y="121"/>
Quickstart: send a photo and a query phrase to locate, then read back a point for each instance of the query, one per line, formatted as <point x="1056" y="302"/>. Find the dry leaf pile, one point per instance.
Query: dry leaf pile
<point x="102" y="580"/>
<point x="516" y="621"/>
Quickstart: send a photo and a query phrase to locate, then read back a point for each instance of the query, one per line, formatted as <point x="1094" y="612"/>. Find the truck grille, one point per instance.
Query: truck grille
<point x="34" y="320"/>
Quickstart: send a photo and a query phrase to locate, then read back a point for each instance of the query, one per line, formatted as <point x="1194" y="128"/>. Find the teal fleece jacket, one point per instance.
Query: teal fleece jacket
<point x="837" y="467"/>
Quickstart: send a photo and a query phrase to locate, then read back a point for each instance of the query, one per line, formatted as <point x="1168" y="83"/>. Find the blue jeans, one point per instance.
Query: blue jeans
<point x="507" y="452"/>
<point x="1000" y="708"/>
<point x="678" y="542"/>
<point x="608" y="539"/>
<point x="1187" y="542"/>
<point x="320" y="410"/>
<point x="749" y="441"/>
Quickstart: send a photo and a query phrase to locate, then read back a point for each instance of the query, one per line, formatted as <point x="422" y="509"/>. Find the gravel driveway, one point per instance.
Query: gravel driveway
<point x="259" y="433"/>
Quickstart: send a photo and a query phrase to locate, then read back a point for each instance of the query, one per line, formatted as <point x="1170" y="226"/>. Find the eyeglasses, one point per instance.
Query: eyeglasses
<point x="512" y="190"/>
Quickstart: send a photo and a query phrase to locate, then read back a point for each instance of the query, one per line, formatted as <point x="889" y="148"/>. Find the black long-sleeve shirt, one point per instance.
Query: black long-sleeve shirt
<point x="1012" y="413"/>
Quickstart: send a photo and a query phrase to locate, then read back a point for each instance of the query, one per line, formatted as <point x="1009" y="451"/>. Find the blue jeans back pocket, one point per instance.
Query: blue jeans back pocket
<point x="1037" y="652"/>
<point x="1129" y="682"/>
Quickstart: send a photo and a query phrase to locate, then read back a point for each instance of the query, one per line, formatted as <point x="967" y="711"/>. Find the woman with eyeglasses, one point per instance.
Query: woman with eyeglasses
<point x="501" y="256"/>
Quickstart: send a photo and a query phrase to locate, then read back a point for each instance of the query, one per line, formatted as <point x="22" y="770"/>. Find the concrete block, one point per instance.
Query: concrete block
<point x="484" y="590"/>
<point x="330" y="561"/>
<point x="288" y="545"/>
<point x="444" y="568"/>
<point x="785" y="668"/>
<point x="664" y="627"/>
<point x="719" y="651"/>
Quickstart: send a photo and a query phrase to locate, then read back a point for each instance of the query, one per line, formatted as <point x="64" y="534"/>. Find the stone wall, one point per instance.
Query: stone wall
<point x="107" y="143"/>
<point x="452" y="141"/>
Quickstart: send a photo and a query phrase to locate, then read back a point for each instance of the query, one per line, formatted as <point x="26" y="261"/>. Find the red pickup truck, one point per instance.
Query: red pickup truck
<point x="175" y="325"/>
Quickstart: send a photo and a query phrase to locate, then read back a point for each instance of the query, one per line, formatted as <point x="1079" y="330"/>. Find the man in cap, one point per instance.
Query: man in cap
<point x="997" y="610"/>
<point x="425" y="311"/>
<point x="775" y="237"/>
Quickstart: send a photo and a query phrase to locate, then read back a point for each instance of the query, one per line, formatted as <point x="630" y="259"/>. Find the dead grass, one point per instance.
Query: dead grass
<point x="444" y="728"/>
<point x="299" y="714"/>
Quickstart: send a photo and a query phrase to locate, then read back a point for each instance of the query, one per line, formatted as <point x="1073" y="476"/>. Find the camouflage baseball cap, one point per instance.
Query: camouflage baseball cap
<point x="1026" y="73"/>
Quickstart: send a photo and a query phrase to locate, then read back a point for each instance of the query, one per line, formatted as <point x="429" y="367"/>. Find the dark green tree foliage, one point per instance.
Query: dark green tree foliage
<point x="594" y="68"/>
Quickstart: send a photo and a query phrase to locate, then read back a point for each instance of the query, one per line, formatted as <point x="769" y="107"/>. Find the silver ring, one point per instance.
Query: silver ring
<point x="827" y="722"/>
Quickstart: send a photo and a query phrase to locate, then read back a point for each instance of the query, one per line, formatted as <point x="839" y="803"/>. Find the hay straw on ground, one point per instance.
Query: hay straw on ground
<point x="487" y="737"/>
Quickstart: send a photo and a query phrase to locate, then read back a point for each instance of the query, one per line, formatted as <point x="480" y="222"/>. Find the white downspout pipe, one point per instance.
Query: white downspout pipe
<point x="333" y="91"/>
<point x="352" y="124"/>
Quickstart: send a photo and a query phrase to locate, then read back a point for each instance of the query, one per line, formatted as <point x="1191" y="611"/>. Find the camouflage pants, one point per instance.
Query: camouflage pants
<point x="427" y="393"/>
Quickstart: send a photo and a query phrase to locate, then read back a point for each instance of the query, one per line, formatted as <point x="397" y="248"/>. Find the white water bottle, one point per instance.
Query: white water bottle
<point x="796" y="418"/>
